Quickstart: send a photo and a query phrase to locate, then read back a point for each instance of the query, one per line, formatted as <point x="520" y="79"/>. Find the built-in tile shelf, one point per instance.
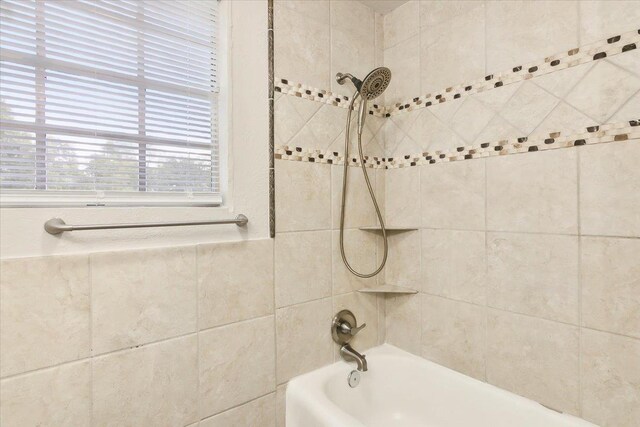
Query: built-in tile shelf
<point x="389" y="229"/>
<point x="388" y="289"/>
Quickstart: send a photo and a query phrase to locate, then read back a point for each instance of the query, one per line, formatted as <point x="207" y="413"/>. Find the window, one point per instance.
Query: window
<point x="109" y="102"/>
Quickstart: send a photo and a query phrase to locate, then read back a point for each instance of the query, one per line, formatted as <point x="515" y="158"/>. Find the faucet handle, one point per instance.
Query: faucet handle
<point x="346" y="328"/>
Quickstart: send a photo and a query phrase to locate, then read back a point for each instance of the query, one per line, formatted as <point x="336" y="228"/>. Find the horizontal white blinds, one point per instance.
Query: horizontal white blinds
<point x="109" y="96"/>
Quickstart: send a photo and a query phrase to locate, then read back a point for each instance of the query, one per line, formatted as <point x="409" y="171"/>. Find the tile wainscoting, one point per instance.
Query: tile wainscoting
<point x="175" y="336"/>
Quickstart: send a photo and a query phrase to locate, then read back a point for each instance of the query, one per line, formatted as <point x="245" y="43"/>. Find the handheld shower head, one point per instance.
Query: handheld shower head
<point x="373" y="85"/>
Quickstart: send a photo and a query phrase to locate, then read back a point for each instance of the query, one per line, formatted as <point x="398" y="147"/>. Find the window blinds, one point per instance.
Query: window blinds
<point x="103" y="98"/>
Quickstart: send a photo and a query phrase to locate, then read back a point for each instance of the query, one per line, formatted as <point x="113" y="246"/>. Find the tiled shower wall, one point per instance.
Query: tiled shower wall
<point x="314" y="41"/>
<point x="526" y="263"/>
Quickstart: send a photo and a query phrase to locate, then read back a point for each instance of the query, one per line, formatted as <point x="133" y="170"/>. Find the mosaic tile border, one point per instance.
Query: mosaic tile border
<point x="299" y="154"/>
<point x="320" y="95"/>
<point x="611" y="46"/>
<point x="611" y="132"/>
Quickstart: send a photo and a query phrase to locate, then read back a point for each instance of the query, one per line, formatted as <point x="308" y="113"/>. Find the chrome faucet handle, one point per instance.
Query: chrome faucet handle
<point x="344" y="327"/>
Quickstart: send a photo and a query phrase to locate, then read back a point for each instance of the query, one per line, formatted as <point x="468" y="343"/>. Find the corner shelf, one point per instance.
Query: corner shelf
<point x="389" y="290"/>
<point x="389" y="229"/>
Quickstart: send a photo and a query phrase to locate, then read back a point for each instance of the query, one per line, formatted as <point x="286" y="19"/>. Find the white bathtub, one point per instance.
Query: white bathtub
<point x="403" y="390"/>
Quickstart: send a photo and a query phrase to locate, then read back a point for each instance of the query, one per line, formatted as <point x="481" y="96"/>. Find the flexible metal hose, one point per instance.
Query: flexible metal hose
<point x="361" y="116"/>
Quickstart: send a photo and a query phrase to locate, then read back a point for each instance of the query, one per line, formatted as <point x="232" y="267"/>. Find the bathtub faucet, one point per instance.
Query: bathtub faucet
<point x="343" y="328"/>
<point x="349" y="353"/>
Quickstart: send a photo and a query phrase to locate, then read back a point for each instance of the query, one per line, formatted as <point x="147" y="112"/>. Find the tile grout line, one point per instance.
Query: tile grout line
<point x="486" y="269"/>
<point x="579" y="237"/>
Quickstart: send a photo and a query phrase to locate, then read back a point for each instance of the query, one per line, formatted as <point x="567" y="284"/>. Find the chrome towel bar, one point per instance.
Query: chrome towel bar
<point x="57" y="225"/>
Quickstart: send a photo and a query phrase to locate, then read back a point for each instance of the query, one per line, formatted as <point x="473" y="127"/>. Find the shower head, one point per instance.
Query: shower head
<point x="373" y="84"/>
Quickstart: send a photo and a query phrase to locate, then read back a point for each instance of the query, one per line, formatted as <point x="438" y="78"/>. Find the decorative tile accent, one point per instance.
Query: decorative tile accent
<point x="300" y="154"/>
<point x="320" y="95"/>
<point x="592" y="135"/>
<point x="580" y="55"/>
<point x="610" y="132"/>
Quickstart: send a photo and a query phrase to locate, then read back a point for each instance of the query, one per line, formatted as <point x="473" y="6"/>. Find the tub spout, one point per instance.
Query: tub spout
<point x="348" y="353"/>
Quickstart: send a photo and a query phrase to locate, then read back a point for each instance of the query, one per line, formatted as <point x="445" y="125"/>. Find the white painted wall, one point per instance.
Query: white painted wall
<point x="21" y="229"/>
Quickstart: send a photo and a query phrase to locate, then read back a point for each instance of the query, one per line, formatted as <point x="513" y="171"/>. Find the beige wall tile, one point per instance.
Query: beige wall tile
<point x="317" y="10"/>
<point x="237" y="364"/>
<point x="326" y="125"/>
<point x="534" y="192"/>
<point x="403" y="261"/>
<point x="303" y="196"/>
<point x="365" y="308"/>
<point x="360" y="250"/>
<point x="303" y="338"/>
<point x="453" y="195"/>
<point x="432" y="134"/>
<point x="402" y="190"/>
<point x="403" y="326"/>
<point x="302" y="44"/>
<point x="291" y="114"/>
<point x="535" y="358"/>
<point x="235" y="281"/>
<point x="470" y="119"/>
<point x="438" y="12"/>
<point x="359" y="207"/>
<point x="535" y="274"/>
<point x="352" y="45"/>
<point x="452" y="52"/>
<point x="454" y="264"/>
<point x="603" y="91"/>
<point x="544" y="27"/>
<point x="142" y="296"/>
<point x="59" y="396"/>
<point x="602" y="19"/>
<point x="610" y="379"/>
<point x="44" y="312"/>
<point x="401" y="23"/>
<point x="529" y="106"/>
<point x="153" y="385"/>
<point x="454" y="334"/>
<point x="303" y="266"/>
<point x="611" y="285"/>
<point x="610" y="189"/>
<point x="404" y="61"/>
<point x="259" y="413"/>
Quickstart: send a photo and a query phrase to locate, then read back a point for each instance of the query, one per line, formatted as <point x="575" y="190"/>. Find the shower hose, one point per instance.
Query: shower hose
<point x="361" y="113"/>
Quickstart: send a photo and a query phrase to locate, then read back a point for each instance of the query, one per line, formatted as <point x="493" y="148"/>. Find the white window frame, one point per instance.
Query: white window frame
<point x="218" y="201"/>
